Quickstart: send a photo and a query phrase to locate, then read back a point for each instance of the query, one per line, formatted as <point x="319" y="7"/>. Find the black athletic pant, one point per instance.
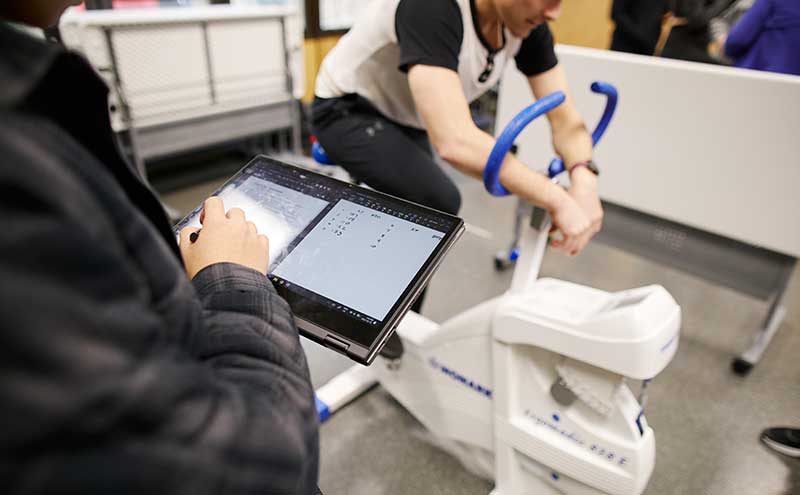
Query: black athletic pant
<point x="386" y="156"/>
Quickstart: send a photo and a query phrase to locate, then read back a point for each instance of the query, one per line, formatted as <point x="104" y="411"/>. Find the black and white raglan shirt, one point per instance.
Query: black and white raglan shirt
<point x="390" y="36"/>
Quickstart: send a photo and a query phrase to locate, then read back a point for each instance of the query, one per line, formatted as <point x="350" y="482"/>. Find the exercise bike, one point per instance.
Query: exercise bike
<point x="529" y="388"/>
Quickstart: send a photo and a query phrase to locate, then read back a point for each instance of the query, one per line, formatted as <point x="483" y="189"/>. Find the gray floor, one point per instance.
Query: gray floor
<point x="706" y="419"/>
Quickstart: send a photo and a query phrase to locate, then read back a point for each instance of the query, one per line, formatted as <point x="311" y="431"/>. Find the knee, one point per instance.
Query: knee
<point x="448" y="200"/>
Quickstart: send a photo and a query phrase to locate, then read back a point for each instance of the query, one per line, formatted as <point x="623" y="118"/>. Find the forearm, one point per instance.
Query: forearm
<point x="445" y="112"/>
<point x="468" y="152"/>
<point x="239" y="414"/>
<point x="242" y="303"/>
<point x="574" y="145"/>
<point x="571" y="140"/>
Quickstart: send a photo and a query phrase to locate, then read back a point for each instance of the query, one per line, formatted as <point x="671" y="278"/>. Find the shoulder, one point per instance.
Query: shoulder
<point x="43" y="164"/>
<point x="31" y="146"/>
<point x="428" y="13"/>
<point x="540" y="37"/>
<point x="537" y="52"/>
<point x="429" y="32"/>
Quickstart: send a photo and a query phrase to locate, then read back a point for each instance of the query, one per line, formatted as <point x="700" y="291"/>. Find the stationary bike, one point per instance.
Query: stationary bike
<point x="529" y="387"/>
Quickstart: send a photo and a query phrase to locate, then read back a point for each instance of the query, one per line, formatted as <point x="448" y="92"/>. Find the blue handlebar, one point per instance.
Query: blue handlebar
<point x="543" y="105"/>
<point x="506" y="139"/>
<point x="611" y="105"/>
<point x="556" y="165"/>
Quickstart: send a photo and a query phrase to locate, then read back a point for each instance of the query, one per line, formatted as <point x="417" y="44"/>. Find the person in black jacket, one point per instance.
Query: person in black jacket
<point x="638" y="24"/>
<point x="128" y="363"/>
<point x="690" y="39"/>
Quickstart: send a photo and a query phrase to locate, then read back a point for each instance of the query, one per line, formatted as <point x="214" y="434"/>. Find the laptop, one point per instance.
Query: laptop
<point x="349" y="260"/>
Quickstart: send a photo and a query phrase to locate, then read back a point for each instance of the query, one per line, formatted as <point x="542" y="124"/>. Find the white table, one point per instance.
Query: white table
<point x="184" y="78"/>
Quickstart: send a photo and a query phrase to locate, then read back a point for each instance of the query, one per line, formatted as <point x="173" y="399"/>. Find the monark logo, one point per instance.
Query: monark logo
<point x="455" y="375"/>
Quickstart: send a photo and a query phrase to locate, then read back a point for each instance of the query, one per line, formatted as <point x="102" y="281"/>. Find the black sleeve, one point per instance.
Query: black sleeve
<point x="429" y="32"/>
<point x="537" y="54"/>
<point x="98" y="393"/>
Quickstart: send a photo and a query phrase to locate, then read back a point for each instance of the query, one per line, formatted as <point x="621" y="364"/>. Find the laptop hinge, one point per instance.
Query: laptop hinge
<point x="335" y="344"/>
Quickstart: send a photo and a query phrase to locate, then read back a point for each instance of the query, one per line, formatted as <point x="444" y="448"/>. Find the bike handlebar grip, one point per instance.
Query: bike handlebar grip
<point x="611" y="105"/>
<point x="556" y="165"/>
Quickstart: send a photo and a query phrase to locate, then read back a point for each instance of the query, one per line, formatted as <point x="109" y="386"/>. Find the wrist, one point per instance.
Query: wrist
<point x="229" y="276"/>
<point x="588" y="165"/>
<point x="556" y="197"/>
<point x="583" y="177"/>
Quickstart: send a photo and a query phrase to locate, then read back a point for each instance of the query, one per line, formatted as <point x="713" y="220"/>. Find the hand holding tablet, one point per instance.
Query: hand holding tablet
<point x="229" y="237"/>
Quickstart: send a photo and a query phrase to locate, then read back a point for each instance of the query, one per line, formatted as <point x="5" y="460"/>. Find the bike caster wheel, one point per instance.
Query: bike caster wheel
<point x="503" y="260"/>
<point x="741" y="367"/>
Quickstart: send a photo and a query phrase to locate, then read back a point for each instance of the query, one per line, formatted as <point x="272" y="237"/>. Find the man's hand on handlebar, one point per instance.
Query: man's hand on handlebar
<point x="578" y="215"/>
<point x="584" y="191"/>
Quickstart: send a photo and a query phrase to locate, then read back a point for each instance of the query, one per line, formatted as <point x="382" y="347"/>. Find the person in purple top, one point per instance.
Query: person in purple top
<point x="767" y="37"/>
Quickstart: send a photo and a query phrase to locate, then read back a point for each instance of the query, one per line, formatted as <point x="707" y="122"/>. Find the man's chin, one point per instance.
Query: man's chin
<point x="522" y="32"/>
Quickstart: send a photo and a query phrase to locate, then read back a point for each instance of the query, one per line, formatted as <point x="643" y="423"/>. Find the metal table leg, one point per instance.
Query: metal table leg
<point x="744" y="363"/>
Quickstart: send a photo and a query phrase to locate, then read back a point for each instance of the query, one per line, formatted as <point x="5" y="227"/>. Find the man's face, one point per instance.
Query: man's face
<point x="522" y="16"/>
<point x="39" y="13"/>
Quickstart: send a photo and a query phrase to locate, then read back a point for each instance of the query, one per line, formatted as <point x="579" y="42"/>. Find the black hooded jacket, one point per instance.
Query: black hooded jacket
<point x="117" y="374"/>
